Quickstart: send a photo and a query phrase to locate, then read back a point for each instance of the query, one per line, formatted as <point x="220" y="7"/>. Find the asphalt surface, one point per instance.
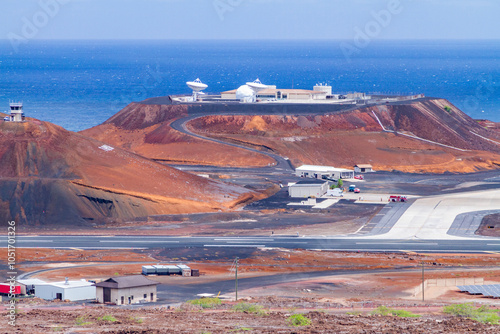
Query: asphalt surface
<point x="480" y="245"/>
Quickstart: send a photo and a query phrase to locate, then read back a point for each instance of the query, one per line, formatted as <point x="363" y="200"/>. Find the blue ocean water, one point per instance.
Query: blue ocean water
<point x="79" y="84"/>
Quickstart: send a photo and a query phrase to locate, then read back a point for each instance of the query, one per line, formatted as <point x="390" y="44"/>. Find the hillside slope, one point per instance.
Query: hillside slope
<point x="448" y="139"/>
<point x="145" y="130"/>
<point x="52" y="176"/>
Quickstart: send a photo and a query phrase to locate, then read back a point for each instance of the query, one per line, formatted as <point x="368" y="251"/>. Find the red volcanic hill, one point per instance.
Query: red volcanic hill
<point x="428" y="135"/>
<point x="50" y="176"/>
<point x="145" y="129"/>
<point x="425" y="135"/>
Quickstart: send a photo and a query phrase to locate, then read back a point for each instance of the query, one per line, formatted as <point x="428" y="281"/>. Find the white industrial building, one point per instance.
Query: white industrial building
<point x="363" y="168"/>
<point x="274" y="94"/>
<point x="67" y="290"/>
<point x="321" y="172"/>
<point x="308" y="188"/>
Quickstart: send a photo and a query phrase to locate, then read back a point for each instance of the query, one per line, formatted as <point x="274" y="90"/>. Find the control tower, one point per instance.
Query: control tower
<point x="16" y="112"/>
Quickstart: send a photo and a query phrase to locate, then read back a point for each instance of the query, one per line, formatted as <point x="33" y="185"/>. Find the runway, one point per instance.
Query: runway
<point x="481" y="245"/>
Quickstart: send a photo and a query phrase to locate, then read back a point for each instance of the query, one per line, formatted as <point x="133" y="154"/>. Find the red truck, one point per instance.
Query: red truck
<point x="5" y="288"/>
<point x="398" y="198"/>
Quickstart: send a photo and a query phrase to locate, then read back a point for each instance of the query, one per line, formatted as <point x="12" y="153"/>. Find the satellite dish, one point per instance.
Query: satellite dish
<point x="256" y="85"/>
<point x="196" y="86"/>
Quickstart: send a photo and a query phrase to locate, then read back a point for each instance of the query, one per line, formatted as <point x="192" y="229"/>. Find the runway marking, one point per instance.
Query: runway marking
<point x="256" y="246"/>
<point x="492" y="244"/>
<point x="139" y="241"/>
<point x="92" y="248"/>
<point x="243" y="239"/>
<point x="38" y="240"/>
<point x="400" y="243"/>
<point x="492" y="252"/>
<point x="77" y="249"/>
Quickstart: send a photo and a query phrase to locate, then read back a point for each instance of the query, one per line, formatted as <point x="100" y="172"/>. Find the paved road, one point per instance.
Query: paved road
<point x="290" y="242"/>
<point x="283" y="164"/>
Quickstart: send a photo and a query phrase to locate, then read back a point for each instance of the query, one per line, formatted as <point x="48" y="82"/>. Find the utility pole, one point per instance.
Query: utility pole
<point x="236" y="278"/>
<point x="423" y="280"/>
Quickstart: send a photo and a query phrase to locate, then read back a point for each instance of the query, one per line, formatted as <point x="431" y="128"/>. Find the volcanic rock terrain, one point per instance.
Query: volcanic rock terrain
<point x="145" y="129"/>
<point x="429" y="135"/>
<point x="50" y="176"/>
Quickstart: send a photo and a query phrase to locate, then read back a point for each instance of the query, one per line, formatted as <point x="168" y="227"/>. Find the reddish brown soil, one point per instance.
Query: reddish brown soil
<point x="53" y="176"/>
<point x="346" y="139"/>
<point x="145" y="129"/>
<point x="155" y="321"/>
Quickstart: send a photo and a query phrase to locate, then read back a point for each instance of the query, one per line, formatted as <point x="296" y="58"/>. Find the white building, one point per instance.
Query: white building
<point x="243" y="94"/>
<point x="321" y="172"/>
<point x="16" y="112"/>
<point x="308" y="188"/>
<point x="67" y="290"/>
<point x="363" y="168"/>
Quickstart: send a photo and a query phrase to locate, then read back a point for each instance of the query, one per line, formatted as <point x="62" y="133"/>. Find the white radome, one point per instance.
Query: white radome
<point x="245" y="94"/>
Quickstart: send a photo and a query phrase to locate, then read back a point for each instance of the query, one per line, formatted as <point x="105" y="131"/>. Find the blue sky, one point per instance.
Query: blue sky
<point x="249" y="19"/>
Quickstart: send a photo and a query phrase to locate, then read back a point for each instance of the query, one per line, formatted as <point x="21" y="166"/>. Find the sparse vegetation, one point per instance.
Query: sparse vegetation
<point x="298" y="320"/>
<point x="108" y="318"/>
<point x="83" y="321"/>
<point x="340" y="183"/>
<point x="249" y="308"/>
<point x="205" y="302"/>
<point x="385" y="311"/>
<point x="482" y="314"/>
<point x="137" y="320"/>
<point x="448" y="109"/>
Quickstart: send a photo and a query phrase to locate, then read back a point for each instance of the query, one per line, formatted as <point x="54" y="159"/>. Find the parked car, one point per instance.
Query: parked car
<point x="359" y="177"/>
<point x="357" y="190"/>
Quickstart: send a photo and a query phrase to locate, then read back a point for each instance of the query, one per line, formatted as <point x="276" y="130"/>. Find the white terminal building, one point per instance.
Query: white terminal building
<point x="324" y="172"/>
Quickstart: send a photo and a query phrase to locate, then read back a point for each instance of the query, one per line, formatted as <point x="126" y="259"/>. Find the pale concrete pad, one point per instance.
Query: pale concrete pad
<point x="327" y="203"/>
<point x="431" y="218"/>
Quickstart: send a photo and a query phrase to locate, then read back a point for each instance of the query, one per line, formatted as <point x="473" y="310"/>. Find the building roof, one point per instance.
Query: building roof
<point x="275" y="90"/>
<point x="363" y="166"/>
<point x="288" y="91"/>
<point x="311" y="182"/>
<point x="122" y="282"/>
<point x="71" y="284"/>
<point x="324" y="169"/>
<point x="31" y="281"/>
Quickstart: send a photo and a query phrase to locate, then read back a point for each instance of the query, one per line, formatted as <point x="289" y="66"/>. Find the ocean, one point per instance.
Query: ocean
<point x="80" y="84"/>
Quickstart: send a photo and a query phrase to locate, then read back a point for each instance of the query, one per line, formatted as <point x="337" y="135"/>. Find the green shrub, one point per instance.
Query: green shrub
<point x="82" y="321"/>
<point x="298" y="320"/>
<point x="108" y="318"/>
<point x="249" y="308"/>
<point x="448" y="109"/>
<point x="205" y="302"/>
<point x="385" y="311"/>
<point x="482" y="314"/>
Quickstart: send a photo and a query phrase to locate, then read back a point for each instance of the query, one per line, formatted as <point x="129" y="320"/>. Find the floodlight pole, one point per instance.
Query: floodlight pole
<point x="236" y="278"/>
